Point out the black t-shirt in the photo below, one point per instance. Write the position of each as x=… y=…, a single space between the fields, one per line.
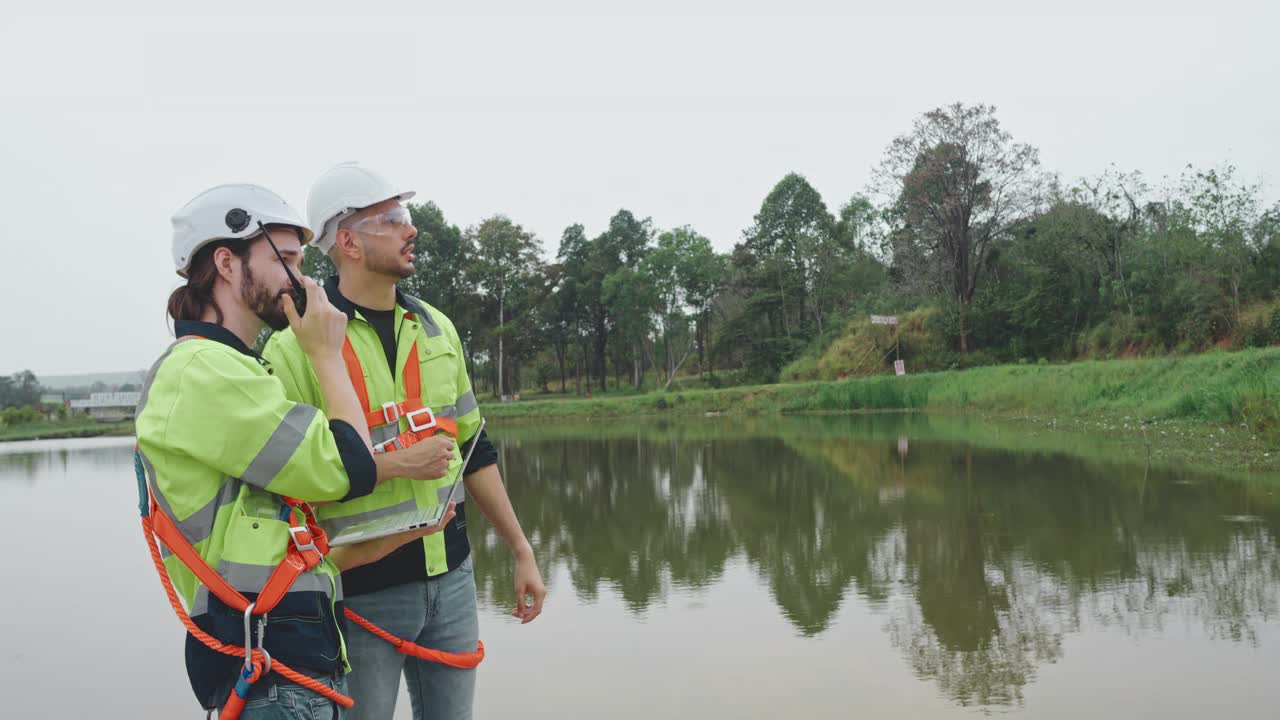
x=384 y=323
x=408 y=563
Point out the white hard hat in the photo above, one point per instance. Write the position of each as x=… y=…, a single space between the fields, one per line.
x=345 y=188
x=228 y=212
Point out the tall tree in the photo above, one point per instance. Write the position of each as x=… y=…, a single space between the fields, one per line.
x=631 y=298
x=849 y=273
x=704 y=275
x=581 y=294
x=619 y=251
x=774 y=272
x=683 y=273
x=443 y=254
x=1225 y=211
x=788 y=238
x=959 y=183
x=1109 y=219
x=506 y=260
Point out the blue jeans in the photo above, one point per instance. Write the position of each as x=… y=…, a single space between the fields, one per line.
x=274 y=698
x=438 y=613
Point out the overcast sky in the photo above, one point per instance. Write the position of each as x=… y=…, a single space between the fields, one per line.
x=556 y=113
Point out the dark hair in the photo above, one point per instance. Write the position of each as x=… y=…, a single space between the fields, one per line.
x=188 y=302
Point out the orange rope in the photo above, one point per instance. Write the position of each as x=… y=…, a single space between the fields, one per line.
x=464 y=661
x=218 y=646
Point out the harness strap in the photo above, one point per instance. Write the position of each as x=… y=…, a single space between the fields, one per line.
x=464 y=661
x=422 y=422
x=303 y=555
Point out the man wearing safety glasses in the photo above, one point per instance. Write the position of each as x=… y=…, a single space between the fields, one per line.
x=406 y=363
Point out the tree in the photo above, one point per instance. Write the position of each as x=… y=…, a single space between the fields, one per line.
x=316 y=264
x=1043 y=287
x=1224 y=212
x=443 y=256
x=789 y=235
x=704 y=274
x=683 y=273
x=774 y=272
x=849 y=273
x=558 y=313
x=1110 y=220
x=506 y=258
x=619 y=249
x=958 y=182
x=578 y=299
x=631 y=297
x=19 y=390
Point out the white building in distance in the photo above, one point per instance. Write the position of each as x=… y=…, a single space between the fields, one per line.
x=109 y=406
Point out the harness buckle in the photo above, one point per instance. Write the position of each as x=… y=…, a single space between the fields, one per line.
x=310 y=543
x=387 y=414
x=412 y=417
x=393 y=443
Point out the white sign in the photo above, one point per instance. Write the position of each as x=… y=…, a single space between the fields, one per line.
x=899 y=367
x=884 y=319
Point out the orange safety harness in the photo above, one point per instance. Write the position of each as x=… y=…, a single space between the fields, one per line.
x=308 y=547
x=411 y=408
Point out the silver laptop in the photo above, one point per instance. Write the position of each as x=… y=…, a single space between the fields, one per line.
x=408 y=520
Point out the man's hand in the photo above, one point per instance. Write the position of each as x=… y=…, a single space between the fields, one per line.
x=424 y=460
x=322 y=330
x=371 y=551
x=528 y=582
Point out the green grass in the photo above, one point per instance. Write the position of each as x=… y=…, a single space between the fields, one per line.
x=1220 y=387
x=67 y=429
x=1224 y=403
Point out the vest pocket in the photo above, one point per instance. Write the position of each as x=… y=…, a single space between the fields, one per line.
x=256 y=540
x=439 y=371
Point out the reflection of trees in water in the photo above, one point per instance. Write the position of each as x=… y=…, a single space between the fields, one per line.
x=982 y=649
x=807 y=531
x=27 y=466
x=997 y=570
x=632 y=514
x=982 y=559
x=1230 y=591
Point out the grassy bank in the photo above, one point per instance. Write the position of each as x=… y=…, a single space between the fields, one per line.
x=68 y=429
x=1214 y=388
x=1220 y=407
x=1224 y=404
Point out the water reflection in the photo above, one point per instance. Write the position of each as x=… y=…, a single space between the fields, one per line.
x=981 y=557
x=29 y=462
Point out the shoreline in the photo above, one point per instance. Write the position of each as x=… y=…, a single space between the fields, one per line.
x=1218 y=410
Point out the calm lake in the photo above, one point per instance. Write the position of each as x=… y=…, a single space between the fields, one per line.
x=893 y=566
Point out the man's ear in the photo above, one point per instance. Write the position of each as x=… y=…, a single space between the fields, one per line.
x=225 y=262
x=345 y=244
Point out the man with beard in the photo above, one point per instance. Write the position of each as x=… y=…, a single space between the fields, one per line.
x=406 y=363
x=224 y=457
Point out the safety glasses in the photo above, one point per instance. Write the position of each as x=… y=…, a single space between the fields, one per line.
x=391 y=222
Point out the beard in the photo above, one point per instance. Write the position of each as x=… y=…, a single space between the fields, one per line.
x=385 y=262
x=262 y=301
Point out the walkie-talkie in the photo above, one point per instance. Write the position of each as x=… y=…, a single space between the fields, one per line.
x=297 y=293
